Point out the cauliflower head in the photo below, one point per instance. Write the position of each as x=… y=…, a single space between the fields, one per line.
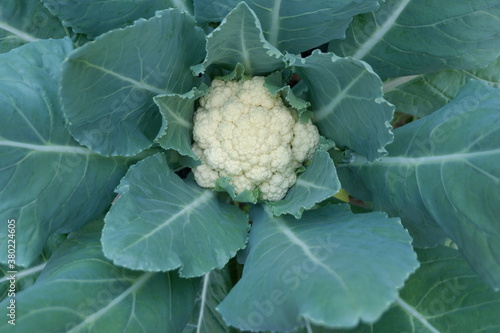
x=243 y=132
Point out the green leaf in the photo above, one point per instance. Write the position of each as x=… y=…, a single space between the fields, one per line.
x=420 y=95
x=317 y=183
x=443 y=169
x=48 y=183
x=347 y=103
x=23 y=21
x=236 y=74
x=205 y=319
x=405 y=37
x=96 y=17
x=276 y=85
x=177 y=111
x=239 y=39
x=331 y=267
x=81 y=291
x=108 y=85
x=444 y=296
x=160 y=223
x=289 y=25
x=222 y=185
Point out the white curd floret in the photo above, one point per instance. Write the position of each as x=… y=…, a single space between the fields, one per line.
x=243 y=132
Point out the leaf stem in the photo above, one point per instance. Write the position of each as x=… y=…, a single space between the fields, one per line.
x=21 y=34
x=408 y=308
x=26 y=272
x=360 y=160
x=381 y=32
x=394 y=83
x=308 y=326
x=47 y=148
x=204 y=291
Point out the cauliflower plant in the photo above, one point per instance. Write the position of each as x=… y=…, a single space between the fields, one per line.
x=243 y=132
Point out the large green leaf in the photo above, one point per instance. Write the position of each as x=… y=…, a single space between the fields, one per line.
x=23 y=21
x=443 y=296
x=331 y=267
x=444 y=169
x=425 y=232
x=420 y=95
x=108 y=85
x=405 y=37
x=290 y=25
x=239 y=39
x=96 y=17
x=317 y=183
x=346 y=99
x=161 y=222
x=48 y=182
x=215 y=287
x=81 y=291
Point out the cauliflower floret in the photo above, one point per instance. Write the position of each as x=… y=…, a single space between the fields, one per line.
x=304 y=133
x=205 y=176
x=243 y=132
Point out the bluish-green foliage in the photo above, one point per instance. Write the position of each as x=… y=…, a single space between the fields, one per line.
x=103 y=228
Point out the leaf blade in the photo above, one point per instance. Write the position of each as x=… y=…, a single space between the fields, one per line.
x=420 y=95
x=100 y=296
x=421 y=172
x=304 y=269
x=239 y=39
x=24 y=21
x=177 y=112
x=68 y=184
x=292 y=26
x=350 y=110
x=444 y=295
x=109 y=103
x=316 y=184
x=155 y=208
x=394 y=39
x=96 y=18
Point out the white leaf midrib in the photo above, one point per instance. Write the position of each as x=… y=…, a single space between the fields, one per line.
x=204 y=293
x=437 y=158
x=397 y=83
x=21 y=34
x=275 y=23
x=308 y=184
x=202 y=199
x=26 y=272
x=417 y=315
x=327 y=109
x=306 y=250
x=179 y=4
x=176 y=116
x=137 y=84
x=46 y=148
x=380 y=33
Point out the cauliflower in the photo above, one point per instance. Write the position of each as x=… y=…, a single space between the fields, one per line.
x=243 y=132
